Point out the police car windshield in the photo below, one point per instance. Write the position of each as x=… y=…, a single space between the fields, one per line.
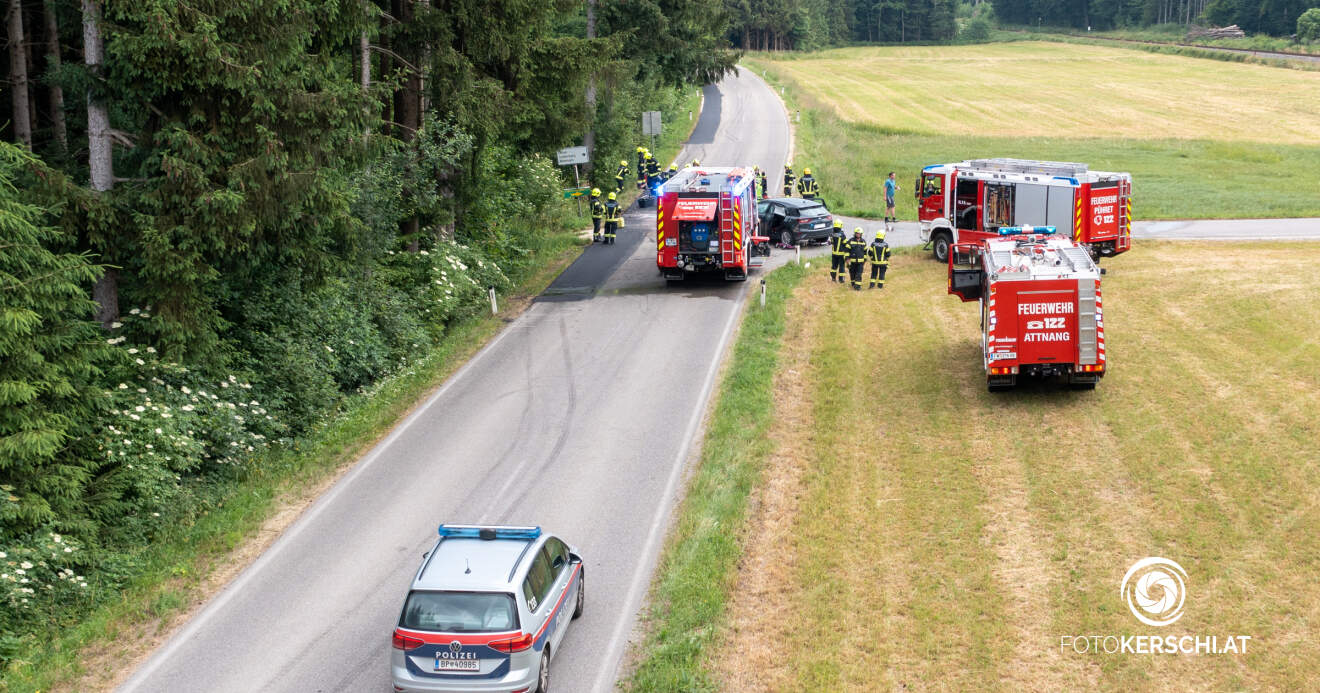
x=460 y=612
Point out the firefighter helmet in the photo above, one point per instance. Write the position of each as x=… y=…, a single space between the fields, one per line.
x=838 y=223
x=612 y=196
x=806 y=171
x=857 y=231
x=648 y=155
x=696 y=162
x=640 y=148
x=880 y=235
x=673 y=167
x=595 y=192
x=623 y=162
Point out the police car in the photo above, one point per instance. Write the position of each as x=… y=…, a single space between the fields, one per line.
x=487 y=611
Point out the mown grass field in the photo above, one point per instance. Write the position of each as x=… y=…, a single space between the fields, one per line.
x=912 y=531
x=1202 y=138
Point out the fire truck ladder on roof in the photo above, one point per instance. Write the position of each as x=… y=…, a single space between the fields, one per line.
x=1049 y=168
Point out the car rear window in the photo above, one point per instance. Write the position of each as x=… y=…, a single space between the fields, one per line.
x=460 y=612
x=813 y=211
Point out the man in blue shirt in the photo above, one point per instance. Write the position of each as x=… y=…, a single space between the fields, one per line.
x=891 y=188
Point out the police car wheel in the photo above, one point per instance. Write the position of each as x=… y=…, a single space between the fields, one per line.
x=582 y=591
x=543 y=677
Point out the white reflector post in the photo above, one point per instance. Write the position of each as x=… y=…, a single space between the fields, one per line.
x=494 y=307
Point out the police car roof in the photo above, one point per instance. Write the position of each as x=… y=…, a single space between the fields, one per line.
x=472 y=563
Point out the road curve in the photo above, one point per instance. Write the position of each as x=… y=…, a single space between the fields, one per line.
x=579 y=416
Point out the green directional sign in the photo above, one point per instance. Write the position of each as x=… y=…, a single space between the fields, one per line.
x=571 y=193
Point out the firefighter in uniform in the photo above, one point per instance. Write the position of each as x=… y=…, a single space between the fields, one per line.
x=788 y=180
x=878 y=255
x=807 y=187
x=597 y=213
x=642 y=154
x=618 y=177
x=760 y=178
x=673 y=168
x=838 y=249
x=856 y=258
x=652 y=171
x=613 y=218
x=694 y=163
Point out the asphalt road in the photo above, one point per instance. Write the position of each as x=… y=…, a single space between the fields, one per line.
x=580 y=417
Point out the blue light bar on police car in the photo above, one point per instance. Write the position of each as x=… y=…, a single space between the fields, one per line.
x=489 y=532
x=1014 y=230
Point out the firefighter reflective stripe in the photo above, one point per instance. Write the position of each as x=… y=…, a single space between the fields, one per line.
x=1077 y=219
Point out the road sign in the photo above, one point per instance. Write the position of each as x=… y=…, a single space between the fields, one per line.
x=569 y=156
x=651 y=123
x=571 y=193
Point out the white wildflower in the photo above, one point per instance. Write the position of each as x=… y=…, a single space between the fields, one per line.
x=185 y=390
x=135 y=311
x=140 y=362
x=132 y=351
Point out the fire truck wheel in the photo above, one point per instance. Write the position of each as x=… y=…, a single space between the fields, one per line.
x=941 y=244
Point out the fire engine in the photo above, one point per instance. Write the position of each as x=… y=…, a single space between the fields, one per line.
x=706 y=222
x=1041 y=312
x=971 y=200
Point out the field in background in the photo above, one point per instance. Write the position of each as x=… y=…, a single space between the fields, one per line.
x=921 y=533
x=1202 y=138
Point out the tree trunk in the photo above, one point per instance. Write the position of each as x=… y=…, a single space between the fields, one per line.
x=407 y=110
x=53 y=63
x=364 y=47
x=18 y=78
x=589 y=139
x=99 y=162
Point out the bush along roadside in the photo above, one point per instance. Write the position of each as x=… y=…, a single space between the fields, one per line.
x=690 y=590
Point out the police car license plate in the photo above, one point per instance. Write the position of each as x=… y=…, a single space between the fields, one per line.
x=457 y=664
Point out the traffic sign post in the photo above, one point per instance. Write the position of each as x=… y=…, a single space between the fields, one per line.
x=573 y=156
x=651 y=125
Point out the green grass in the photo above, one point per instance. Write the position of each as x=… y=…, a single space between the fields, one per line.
x=858 y=124
x=1176 y=34
x=945 y=537
x=691 y=585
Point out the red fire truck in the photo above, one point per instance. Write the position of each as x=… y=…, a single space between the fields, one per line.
x=706 y=222
x=1041 y=313
x=971 y=200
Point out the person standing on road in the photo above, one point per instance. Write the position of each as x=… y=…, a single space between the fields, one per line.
x=622 y=174
x=613 y=218
x=642 y=155
x=788 y=180
x=878 y=255
x=891 y=189
x=597 y=214
x=838 y=250
x=807 y=187
x=652 y=171
x=760 y=178
x=856 y=258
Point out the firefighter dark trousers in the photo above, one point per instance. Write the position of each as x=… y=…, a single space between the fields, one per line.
x=595 y=228
x=878 y=274
x=610 y=227
x=836 y=266
x=855 y=269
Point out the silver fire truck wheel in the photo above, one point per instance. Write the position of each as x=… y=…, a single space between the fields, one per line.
x=941 y=242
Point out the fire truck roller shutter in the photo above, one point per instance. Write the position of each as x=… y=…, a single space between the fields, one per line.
x=1029 y=205
x=1059 y=213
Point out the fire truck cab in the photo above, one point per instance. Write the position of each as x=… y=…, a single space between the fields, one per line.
x=971 y=200
x=706 y=222
x=1041 y=313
